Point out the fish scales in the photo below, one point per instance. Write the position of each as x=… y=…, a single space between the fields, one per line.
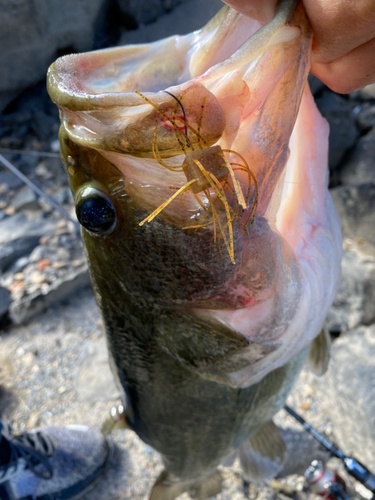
x=213 y=245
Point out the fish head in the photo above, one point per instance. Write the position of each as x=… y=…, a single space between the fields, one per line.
x=199 y=173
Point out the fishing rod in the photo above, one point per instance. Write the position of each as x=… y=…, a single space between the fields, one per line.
x=316 y=472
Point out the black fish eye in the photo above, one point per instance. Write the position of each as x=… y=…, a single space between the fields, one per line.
x=96 y=212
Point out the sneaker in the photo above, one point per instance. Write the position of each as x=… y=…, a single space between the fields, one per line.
x=53 y=463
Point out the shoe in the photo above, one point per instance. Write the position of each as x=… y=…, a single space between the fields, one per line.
x=53 y=463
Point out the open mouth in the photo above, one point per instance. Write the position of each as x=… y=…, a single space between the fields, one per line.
x=208 y=149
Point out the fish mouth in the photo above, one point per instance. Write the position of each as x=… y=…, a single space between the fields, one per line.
x=133 y=131
x=195 y=135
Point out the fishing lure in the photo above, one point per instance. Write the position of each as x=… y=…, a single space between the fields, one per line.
x=207 y=171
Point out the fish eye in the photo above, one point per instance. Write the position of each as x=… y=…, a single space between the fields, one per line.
x=96 y=212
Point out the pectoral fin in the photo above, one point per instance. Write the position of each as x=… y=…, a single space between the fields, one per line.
x=318 y=358
x=262 y=456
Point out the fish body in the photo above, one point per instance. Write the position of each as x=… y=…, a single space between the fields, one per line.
x=211 y=296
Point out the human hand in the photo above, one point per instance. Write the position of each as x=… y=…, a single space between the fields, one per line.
x=343 y=55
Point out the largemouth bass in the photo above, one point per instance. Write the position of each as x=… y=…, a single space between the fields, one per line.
x=198 y=166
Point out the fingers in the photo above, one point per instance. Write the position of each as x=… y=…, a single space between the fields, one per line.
x=339 y=26
x=350 y=72
x=261 y=10
x=343 y=54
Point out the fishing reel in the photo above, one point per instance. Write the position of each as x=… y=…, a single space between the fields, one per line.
x=324 y=482
x=321 y=480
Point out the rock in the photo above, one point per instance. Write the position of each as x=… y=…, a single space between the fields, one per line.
x=36 y=278
x=4 y=301
x=366 y=117
x=95 y=380
x=183 y=19
x=368 y=92
x=355 y=206
x=25 y=198
x=347 y=391
x=39 y=252
x=10 y=180
x=316 y=85
x=359 y=167
x=343 y=131
x=32 y=33
x=146 y=11
x=64 y=287
x=19 y=265
x=355 y=300
x=43 y=264
x=55 y=146
x=18 y=236
x=6 y=98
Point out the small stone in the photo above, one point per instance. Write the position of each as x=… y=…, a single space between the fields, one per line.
x=41 y=252
x=282 y=487
x=58 y=264
x=61 y=390
x=62 y=224
x=44 y=240
x=63 y=254
x=32 y=288
x=33 y=421
x=24 y=199
x=309 y=390
x=305 y=406
x=28 y=359
x=43 y=264
x=77 y=262
x=16 y=286
x=35 y=369
x=36 y=277
x=10 y=210
x=38 y=300
x=19 y=236
x=368 y=92
x=55 y=146
x=20 y=264
x=19 y=276
x=41 y=169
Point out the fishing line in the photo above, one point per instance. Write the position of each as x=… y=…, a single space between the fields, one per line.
x=37 y=190
x=183 y=111
x=30 y=152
